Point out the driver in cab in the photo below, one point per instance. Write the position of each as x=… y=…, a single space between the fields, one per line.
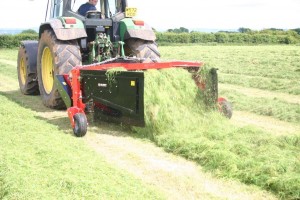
x=88 y=6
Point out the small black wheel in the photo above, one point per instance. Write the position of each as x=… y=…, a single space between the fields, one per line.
x=80 y=128
x=225 y=108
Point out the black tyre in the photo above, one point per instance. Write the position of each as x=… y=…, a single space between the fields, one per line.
x=26 y=68
x=54 y=57
x=80 y=128
x=146 y=50
x=225 y=108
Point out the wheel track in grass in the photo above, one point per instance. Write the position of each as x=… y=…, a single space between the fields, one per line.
x=175 y=176
x=268 y=124
x=8 y=62
x=280 y=85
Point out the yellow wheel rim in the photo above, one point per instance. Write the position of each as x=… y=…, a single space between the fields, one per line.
x=23 y=71
x=47 y=70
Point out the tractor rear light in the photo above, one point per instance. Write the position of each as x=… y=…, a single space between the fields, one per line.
x=70 y=21
x=139 y=22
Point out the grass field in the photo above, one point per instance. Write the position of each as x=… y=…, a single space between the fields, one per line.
x=262 y=81
x=259 y=146
x=38 y=160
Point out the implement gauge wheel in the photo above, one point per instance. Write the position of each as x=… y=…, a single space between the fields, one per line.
x=225 y=108
x=80 y=128
x=55 y=57
x=146 y=50
x=26 y=75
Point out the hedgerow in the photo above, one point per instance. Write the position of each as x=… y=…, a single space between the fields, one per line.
x=263 y=37
x=11 y=41
x=252 y=37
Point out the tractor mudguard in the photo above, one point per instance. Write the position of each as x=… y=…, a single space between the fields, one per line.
x=65 y=28
x=128 y=29
x=31 y=47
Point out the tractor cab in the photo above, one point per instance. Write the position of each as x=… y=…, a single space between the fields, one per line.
x=108 y=8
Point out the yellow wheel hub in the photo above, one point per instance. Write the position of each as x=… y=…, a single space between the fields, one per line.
x=23 y=71
x=47 y=70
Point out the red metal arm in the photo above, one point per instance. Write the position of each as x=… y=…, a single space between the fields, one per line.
x=78 y=105
x=143 y=66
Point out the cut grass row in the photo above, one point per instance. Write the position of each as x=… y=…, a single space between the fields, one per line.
x=177 y=122
x=266 y=61
x=39 y=162
x=289 y=86
x=59 y=119
x=266 y=67
x=246 y=153
x=289 y=112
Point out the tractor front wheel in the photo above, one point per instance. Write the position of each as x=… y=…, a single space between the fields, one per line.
x=26 y=68
x=55 y=57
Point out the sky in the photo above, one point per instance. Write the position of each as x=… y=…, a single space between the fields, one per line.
x=170 y=14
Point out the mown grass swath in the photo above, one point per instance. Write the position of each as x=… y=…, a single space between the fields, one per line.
x=38 y=161
x=177 y=120
x=276 y=108
x=247 y=153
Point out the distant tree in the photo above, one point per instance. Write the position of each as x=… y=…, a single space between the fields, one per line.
x=244 y=30
x=296 y=30
x=184 y=30
x=179 y=30
x=274 y=29
x=29 y=31
x=221 y=31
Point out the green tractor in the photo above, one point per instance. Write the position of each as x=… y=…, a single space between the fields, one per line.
x=68 y=39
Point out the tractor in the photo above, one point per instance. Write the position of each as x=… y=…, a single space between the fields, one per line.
x=95 y=63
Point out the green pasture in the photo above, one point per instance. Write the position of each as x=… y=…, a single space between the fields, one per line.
x=177 y=120
x=38 y=160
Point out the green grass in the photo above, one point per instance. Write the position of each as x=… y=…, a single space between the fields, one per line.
x=289 y=86
x=9 y=54
x=276 y=108
x=7 y=71
x=266 y=67
x=39 y=162
x=178 y=122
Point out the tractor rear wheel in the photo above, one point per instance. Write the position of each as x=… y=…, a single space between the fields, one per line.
x=146 y=50
x=55 y=57
x=26 y=75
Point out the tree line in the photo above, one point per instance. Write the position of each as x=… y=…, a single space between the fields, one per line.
x=242 y=36
x=184 y=36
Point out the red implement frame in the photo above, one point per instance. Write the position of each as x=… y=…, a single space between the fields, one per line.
x=79 y=106
x=144 y=66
